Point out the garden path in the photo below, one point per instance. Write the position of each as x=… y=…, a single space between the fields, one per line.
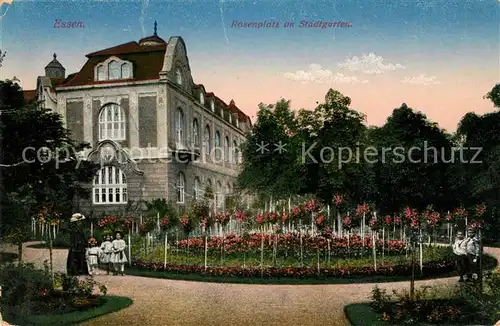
x=172 y=302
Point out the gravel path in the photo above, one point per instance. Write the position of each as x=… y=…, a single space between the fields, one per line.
x=170 y=302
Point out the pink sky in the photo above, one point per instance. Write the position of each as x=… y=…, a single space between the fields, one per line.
x=445 y=103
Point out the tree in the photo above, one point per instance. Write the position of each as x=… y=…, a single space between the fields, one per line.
x=476 y=179
x=411 y=177
x=494 y=95
x=333 y=132
x=268 y=168
x=38 y=154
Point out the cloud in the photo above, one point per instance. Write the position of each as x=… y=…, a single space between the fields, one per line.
x=369 y=64
x=421 y=79
x=316 y=74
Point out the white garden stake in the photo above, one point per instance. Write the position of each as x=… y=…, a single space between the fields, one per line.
x=165 y=254
x=129 y=251
x=421 y=254
x=374 y=251
x=206 y=251
x=363 y=225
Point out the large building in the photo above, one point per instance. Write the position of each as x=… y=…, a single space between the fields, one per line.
x=156 y=133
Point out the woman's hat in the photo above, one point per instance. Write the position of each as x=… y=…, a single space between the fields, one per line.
x=77 y=217
x=92 y=241
x=118 y=231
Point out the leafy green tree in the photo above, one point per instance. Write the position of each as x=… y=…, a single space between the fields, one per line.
x=268 y=168
x=412 y=166
x=37 y=153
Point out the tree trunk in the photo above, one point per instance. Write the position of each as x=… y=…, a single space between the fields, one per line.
x=374 y=252
x=412 y=281
x=20 y=253
x=51 y=259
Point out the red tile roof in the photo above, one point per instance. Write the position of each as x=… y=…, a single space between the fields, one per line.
x=147 y=61
x=29 y=95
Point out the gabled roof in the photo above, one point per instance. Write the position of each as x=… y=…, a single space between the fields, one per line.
x=29 y=95
x=128 y=48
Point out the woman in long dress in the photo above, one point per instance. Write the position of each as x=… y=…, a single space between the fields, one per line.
x=118 y=257
x=76 y=263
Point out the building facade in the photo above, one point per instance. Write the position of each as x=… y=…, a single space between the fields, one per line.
x=154 y=131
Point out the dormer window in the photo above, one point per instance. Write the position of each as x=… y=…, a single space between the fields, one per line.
x=113 y=69
x=230 y=118
x=202 y=98
x=126 y=73
x=222 y=112
x=101 y=74
x=178 y=76
x=212 y=105
x=237 y=123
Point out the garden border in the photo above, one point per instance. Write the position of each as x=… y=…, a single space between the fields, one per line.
x=201 y=277
x=362 y=314
x=113 y=304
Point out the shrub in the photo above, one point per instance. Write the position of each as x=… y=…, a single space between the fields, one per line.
x=428 y=306
x=486 y=304
x=28 y=291
x=22 y=284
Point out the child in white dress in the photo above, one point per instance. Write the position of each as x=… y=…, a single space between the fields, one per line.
x=107 y=249
x=118 y=257
x=93 y=254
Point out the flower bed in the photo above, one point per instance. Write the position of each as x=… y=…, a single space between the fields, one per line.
x=290 y=244
x=429 y=268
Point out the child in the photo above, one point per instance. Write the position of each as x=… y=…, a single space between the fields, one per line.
x=92 y=255
x=107 y=249
x=118 y=257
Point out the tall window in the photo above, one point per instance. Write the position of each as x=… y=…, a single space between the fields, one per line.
x=235 y=152
x=181 y=187
x=217 y=145
x=196 y=132
x=101 y=75
x=207 y=140
x=112 y=122
x=226 y=149
x=114 y=70
x=197 y=189
x=178 y=76
x=126 y=73
x=202 y=98
x=212 y=105
x=219 y=195
x=110 y=186
x=179 y=127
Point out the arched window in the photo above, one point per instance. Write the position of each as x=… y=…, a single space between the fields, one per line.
x=212 y=105
x=226 y=149
x=114 y=70
x=181 y=187
x=110 y=186
x=197 y=191
x=196 y=132
x=235 y=152
x=178 y=76
x=202 y=98
x=228 y=190
x=111 y=122
x=179 y=127
x=217 y=145
x=126 y=71
x=207 y=140
x=219 y=194
x=101 y=75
